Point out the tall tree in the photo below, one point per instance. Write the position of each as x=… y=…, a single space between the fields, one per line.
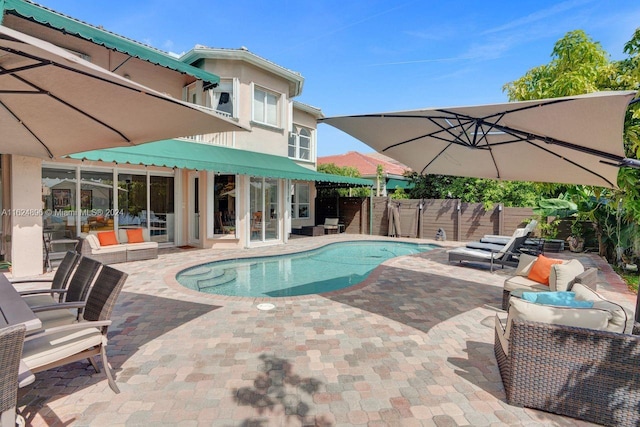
x=580 y=65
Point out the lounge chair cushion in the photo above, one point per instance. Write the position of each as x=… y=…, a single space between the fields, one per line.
x=562 y=275
x=541 y=269
x=52 y=348
x=621 y=320
x=591 y=318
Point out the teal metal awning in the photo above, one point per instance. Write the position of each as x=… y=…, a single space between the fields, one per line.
x=392 y=183
x=175 y=153
x=101 y=37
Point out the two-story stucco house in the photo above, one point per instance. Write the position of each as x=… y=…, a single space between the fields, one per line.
x=238 y=189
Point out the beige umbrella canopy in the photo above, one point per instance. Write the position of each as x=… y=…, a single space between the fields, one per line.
x=572 y=140
x=53 y=103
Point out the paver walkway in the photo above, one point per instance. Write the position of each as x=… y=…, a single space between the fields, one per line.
x=413 y=345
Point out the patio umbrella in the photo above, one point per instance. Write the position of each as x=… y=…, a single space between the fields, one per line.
x=572 y=140
x=53 y=103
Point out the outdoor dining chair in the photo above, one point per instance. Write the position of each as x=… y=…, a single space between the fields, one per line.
x=58 y=346
x=77 y=291
x=59 y=281
x=11 y=339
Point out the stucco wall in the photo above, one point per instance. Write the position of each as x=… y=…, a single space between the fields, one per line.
x=26 y=220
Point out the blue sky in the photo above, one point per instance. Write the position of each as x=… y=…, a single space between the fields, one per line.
x=374 y=56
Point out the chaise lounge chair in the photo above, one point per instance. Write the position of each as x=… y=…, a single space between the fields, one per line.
x=505 y=255
x=501 y=240
x=494 y=242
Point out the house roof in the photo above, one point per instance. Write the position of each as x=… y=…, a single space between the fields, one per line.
x=99 y=36
x=314 y=111
x=367 y=164
x=199 y=52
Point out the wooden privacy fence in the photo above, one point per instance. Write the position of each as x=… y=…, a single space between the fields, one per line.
x=423 y=218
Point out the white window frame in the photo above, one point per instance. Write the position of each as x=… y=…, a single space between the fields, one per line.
x=234 y=83
x=295 y=137
x=278 y=107
x=296 y=203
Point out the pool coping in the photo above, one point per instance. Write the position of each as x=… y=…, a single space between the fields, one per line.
x=171 y=281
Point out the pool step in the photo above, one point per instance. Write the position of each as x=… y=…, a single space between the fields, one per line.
x=217 y=278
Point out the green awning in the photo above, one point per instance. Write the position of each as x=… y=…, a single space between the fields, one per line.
x=105 y=38
x=392 y=183
x=175 y=153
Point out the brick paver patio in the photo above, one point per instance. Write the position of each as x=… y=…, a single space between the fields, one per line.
x=413 y=345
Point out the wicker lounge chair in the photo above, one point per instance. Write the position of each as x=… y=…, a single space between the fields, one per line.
x=83 y=340
x=562 y=277
x=331 y=225
x=582 y=373
x=11 y=339
x=505 y=255
x=581 y=362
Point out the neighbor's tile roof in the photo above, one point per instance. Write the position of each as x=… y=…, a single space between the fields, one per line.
x=365 y=163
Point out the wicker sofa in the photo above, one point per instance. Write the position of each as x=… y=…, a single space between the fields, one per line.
x=561 y=278
x=558 y=366
x=122 y=252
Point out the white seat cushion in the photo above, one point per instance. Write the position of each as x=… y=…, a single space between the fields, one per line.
x=477 y=253
x=108 y=249
x=591 y=318
x=521 y=282
x=143 y=245
x=38 y=300
x=48 y=349
x=53 y=318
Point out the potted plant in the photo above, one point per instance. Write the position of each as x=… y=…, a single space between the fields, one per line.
x=576 y=239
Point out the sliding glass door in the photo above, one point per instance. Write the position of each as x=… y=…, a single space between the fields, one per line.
x=264 y=209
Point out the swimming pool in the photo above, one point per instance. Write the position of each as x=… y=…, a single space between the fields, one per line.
x=329 y=268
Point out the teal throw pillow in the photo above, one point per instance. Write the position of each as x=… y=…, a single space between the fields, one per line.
x=563 y=299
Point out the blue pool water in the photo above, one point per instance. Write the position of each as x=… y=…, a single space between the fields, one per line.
x=332 y=267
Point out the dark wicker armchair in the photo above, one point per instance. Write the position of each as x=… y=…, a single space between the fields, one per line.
x=581 y=373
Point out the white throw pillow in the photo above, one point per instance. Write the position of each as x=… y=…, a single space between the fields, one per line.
x=525 y=262
x=562 y=275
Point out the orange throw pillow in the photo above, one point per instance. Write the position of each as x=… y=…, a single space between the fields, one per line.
x=542 y=268
x=135 y=235
x=107 y=238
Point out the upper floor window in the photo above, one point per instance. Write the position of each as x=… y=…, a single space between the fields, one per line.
x=222 y=98
x=265 y=107
x=300 y=143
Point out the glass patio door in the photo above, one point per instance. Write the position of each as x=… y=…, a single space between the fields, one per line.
x=265 y=209
x=194 y=209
